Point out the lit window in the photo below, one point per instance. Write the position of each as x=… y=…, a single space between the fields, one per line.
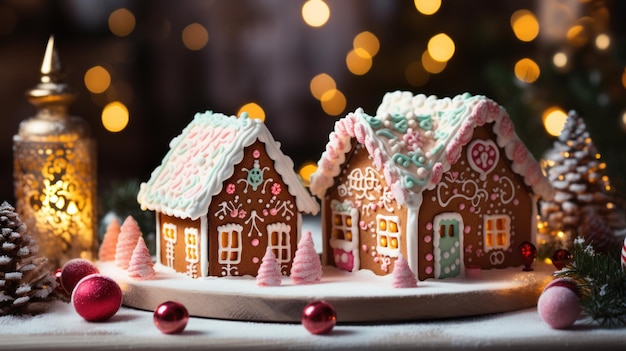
x=388 y=235
x=497 y=232
x=191 y=251
x=279 y=241
x=169 y=235
x=230 y=247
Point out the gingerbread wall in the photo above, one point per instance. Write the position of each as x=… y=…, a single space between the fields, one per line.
x=253 y=211
x=363 y=196
x=180 y=244
x=477 y=189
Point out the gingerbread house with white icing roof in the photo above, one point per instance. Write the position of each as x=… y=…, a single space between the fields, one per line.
x=223 y=194
x=446 y=183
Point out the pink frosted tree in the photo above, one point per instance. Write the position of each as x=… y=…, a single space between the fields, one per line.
x=269 y=272
x=109 y=241
x=402 y=275
x=140 y=266
x=306 y=267
x=127 y=241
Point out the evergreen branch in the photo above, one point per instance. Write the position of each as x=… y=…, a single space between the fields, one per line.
x=601 y=284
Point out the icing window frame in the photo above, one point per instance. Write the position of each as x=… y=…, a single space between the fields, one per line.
x=279 y=241
x=496 y=232
x=344 y=225
x=388 y=235
x=170 y=235
x=191 y=245
x=230 y=245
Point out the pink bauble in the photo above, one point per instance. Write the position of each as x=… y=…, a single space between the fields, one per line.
x=319 y=317
x=74 y=270
x=171 y=317
x=97 y=298
x=558 y=304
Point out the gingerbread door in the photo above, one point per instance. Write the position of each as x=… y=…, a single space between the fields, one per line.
x=448 y=244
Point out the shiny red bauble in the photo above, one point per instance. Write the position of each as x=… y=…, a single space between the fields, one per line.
x=528 y=252
x=319 y=317
x=97 y=298
x=560 y=258
x=171 y=317
x=74 y=270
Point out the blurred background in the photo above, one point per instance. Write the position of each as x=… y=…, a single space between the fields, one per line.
x=142 y=69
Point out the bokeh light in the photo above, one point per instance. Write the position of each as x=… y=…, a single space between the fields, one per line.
x=603 y=42
x=560 y=59
x=553 y=120
x=431 y=65
x=315 y=13
x=366 y=41
x=115 y=117
x=524 y=25
x=305 y=172
x=195 y=37
x=121 y=22
x=415 y=74
x=441 y=47
x=333 y=102
x=320 y=84
x=577 y=35
x=427 y=7
x=527 y=70
x=97 y=79
x=358 y=61
x=624 y=78
x=253 y=109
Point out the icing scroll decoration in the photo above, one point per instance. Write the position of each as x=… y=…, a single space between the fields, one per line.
x=470 y=190
x=483 y=155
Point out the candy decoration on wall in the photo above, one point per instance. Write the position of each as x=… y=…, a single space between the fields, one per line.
x=319 y=317
x=109 y=241
x=171 y=317
x=307 y=267
x=483 y=156
x=560 y=258
x=97 y=298
x=558 y=304
x=528 y=252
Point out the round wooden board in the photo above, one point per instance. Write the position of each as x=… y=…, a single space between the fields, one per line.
x=359 y=297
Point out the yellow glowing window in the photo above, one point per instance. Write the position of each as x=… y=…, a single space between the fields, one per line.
x=497 y=232
x=344 y=225
x=280 y=241
x=229 y=251
x=388 y=235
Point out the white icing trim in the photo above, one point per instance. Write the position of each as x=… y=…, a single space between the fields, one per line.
x=387 y=251
x=158 y=238
x=282 y=230
x=412 y=240
x=229 y=228
x=204 y=246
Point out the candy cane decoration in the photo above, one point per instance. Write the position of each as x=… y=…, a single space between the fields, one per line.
x=624 y=255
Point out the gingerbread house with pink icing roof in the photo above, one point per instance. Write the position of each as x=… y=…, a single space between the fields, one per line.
x=446 y=183
x=223 y=194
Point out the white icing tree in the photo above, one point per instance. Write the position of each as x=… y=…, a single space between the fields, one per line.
x=582 y=186
x=24 y=276
x=109 y=241
x=269 y=272
x=127 y=241
x=306 y=267
x=141 y=266
x=403 y=276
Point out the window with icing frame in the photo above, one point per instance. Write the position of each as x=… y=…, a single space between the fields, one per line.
x=230 y=244
x=191 y=245
x=497 y=232
x=169 y=234
x=344 y=225
x=280 y=241
x=388 y=235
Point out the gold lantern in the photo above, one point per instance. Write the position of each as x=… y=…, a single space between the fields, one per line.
x=55 y=170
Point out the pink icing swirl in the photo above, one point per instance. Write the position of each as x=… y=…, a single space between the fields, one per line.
x=269 y=272
x=306 y=267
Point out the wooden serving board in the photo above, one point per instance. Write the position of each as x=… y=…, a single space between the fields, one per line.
x=359 y=297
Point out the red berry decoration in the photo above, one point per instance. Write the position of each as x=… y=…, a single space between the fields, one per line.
x=97 y=298
x=74 y=270
x=171 y=317
x=319 y=317
x=558 y=304
x=528 y=251
x=560 y=258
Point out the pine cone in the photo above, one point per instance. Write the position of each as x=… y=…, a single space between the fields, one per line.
x=24 y=277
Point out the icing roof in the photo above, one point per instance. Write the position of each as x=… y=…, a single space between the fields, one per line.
x=415 y=139
x=203 y=156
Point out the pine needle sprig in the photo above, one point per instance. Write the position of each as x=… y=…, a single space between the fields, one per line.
x=601 y=284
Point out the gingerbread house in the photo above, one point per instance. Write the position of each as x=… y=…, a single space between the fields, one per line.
x=447 y=183
x=223 y=193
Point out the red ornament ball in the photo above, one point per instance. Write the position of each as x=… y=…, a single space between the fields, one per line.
x=97 y=298
x=560 y=258
x=319 y=317
x=74 y=270
x=558 y=304
x=528 y=252
x=171 y=317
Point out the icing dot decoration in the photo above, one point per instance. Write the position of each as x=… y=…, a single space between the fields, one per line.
x=428 y=238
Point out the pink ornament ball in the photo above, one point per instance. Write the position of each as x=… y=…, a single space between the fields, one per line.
x=319 y=317
x=171 y=317
x=74 y=270
x=97 y=298
x=558 y=304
